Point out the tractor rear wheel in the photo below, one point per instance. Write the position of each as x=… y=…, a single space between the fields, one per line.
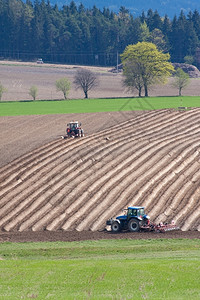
x=115 y=226
x=133 y=225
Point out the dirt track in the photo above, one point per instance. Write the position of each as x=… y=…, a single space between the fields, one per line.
x=45 y=236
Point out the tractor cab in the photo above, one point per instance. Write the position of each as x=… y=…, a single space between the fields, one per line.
x=133 y=212
x=73 y=125
x=137 y=212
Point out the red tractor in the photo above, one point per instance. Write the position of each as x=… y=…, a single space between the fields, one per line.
x=74 y=130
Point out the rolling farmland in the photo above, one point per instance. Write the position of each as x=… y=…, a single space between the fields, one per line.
x=76 y=184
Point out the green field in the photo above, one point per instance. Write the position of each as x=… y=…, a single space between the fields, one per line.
x=95 y=105
x=112 y=269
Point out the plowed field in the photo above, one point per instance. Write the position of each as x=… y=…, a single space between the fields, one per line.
x=152 y=159
x=17 y=78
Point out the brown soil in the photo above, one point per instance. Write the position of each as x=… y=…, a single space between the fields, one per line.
x=77 y=184
x=22 y=134
x=17 y=78
x=69 y=236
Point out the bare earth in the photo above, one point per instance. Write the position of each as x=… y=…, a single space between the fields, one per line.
x=69 y=236
x=21 y=134
x=17 y=78
x=31 y=149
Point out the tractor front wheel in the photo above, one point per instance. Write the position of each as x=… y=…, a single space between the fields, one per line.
x=133 y=225
x=115 y=226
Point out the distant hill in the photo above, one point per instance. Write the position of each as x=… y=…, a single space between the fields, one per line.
x=169 y=7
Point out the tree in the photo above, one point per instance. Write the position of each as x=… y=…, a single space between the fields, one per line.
x=33 y=92
x=157 y=21
x=123 y=12
x=85 y=80
x=132 y=79
x=157 y=38
x=153 y=66
x=196 y=22
x=144 y=32
x=2 y=90
x=181 y=80
x=189 y=59
x=63 y=85
x=149 y=19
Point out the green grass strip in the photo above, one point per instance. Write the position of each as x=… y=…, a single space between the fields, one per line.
x=15 y=108
x=106 y=269
x=95 y=249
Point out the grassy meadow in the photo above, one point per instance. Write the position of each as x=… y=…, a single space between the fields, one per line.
x=105 y=269
x=15 y=108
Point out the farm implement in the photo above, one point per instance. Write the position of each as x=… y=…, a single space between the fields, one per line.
x=135 y=219
x=73 y=130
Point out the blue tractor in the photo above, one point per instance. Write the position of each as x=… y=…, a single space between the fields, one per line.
x=134 y=219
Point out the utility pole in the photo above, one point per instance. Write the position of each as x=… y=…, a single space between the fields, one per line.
x=117 y=52
x=117 y=61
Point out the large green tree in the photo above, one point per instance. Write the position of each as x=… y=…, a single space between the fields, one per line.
x=153 y=66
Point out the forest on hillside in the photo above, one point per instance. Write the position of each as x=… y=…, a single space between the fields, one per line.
x=78 y=35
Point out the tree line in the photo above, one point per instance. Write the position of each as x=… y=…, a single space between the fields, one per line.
x=78 y=35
